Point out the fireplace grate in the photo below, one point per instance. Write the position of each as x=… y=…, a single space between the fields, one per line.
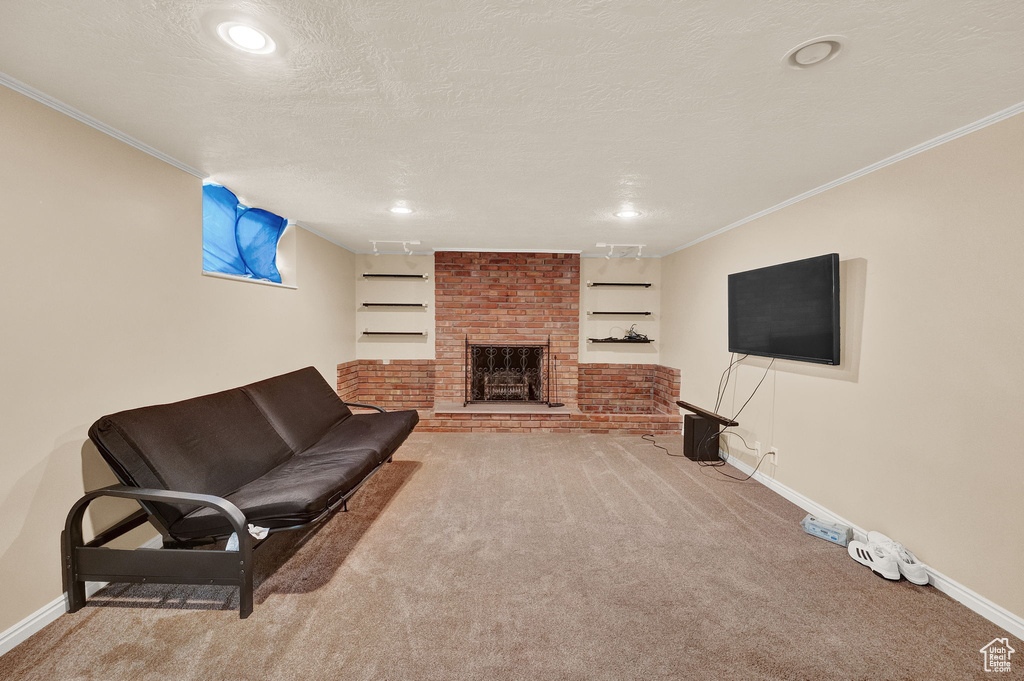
x=507 y=372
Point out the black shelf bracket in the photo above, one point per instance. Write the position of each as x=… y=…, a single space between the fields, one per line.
x=369 y=275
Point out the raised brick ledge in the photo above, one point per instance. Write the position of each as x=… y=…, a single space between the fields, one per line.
x=625 y=424
x=408 y=384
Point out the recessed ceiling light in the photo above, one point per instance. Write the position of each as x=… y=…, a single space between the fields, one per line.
x=627 y=213
x=401 y=210
x=814 y=52
x=246 y=38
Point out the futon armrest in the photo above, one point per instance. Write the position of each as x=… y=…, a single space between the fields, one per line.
x=366 y=406
x=82 y=563
x=224 y=507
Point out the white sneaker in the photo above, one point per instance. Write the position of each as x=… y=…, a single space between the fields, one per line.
x=877 y=557
x=914 y=570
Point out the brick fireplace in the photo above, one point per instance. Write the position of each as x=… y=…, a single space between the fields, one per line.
x=515 y=300
x=499 y=298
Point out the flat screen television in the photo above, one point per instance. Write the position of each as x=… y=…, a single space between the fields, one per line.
x=789 y=311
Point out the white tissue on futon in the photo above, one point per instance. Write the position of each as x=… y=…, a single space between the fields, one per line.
x=256 y=531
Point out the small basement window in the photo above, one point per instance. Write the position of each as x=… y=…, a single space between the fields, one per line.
x=245 y=243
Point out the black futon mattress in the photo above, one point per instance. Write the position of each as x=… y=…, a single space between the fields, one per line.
x=282 y=450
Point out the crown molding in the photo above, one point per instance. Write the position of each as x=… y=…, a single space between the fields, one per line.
x=617 y=257
x=896 y=158
x=337 y=243
x=394 y=252
x=323 y=236
x=567 y=251
x=57 y=105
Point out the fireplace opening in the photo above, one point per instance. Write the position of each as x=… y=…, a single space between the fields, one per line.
x=507 y=372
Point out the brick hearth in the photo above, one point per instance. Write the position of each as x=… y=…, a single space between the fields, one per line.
x=648 y=406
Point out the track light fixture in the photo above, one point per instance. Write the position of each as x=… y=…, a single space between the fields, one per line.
x=624 y=247
x=405 y=245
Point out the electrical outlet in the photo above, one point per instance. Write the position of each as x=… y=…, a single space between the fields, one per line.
x=774 y=451
x=757 y=449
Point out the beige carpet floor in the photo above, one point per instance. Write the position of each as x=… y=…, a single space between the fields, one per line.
x=489 y=556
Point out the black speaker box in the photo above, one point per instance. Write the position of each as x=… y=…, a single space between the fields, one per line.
x=699 y=432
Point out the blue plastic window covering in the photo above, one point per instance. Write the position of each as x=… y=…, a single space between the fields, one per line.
x=237 y=239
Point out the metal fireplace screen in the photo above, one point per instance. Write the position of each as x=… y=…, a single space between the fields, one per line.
x=507 y=373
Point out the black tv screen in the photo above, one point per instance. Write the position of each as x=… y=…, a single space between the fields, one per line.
x=790 y=311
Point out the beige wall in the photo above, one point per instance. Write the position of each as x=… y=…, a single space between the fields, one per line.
x=104 y=308
x=620 y=299
x=918 y=432
x=394 y=319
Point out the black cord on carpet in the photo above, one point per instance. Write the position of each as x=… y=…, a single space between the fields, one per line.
x=652 y=441
x=722 y=387
x=705 y=464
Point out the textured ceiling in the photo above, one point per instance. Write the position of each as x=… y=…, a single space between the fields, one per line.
x=522 y=124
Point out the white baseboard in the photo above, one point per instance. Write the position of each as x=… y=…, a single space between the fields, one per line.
x=994 y=613
x=52 y=610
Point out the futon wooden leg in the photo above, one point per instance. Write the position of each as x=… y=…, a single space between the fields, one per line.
x=76 y=597
x=245 y=596
x=74 y=588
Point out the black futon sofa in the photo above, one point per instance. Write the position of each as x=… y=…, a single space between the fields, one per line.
x=280 y=454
